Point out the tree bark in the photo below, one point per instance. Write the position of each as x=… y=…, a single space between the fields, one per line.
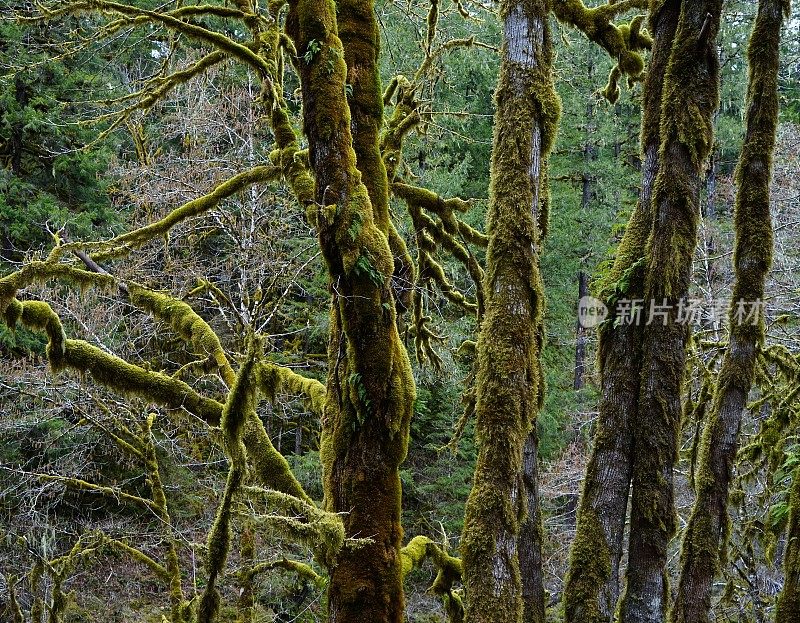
x=705 y=534
x=789 y=598
x=690 y=96
x=502 y=528
x=370 y=388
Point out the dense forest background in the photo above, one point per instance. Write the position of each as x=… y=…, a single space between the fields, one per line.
x=87 y=153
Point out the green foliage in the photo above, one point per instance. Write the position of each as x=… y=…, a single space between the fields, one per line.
x=47 y=180
x=436 y=479
x=312 y=50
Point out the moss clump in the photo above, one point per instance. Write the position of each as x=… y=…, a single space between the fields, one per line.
x=591 y=556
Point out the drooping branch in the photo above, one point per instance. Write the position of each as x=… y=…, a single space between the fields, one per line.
x=623 y=43
x=225 y=44
x=448 y=572
x=124 y=243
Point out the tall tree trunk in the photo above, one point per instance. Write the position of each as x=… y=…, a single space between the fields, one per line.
x=690 y=96
x=705 y=533
x=592 y=585
x=509 y=378
x=370 y=388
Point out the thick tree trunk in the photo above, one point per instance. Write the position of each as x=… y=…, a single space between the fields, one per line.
x=592 y=586
x=690 y=97
x=705 y=533
x=370 y=388
x=509 y=378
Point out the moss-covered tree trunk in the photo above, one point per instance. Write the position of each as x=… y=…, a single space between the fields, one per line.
x=370 y=389
x=358 y=30
x=789 y=598
x=690 y=96
x=509 y=379
x=592 y=586
x=705 y=534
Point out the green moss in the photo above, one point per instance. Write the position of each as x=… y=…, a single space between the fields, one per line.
x=689 y=98
x=509 y=384
x=789 y=598
x=186 y=323
x=591 y=556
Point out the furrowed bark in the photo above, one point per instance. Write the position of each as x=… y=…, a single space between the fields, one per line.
x=704 y=541
x=592 y=586
x=690 y=96
x=370 y=389
x=509 y=379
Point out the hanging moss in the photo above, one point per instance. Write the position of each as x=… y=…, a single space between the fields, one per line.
x=302 y=522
